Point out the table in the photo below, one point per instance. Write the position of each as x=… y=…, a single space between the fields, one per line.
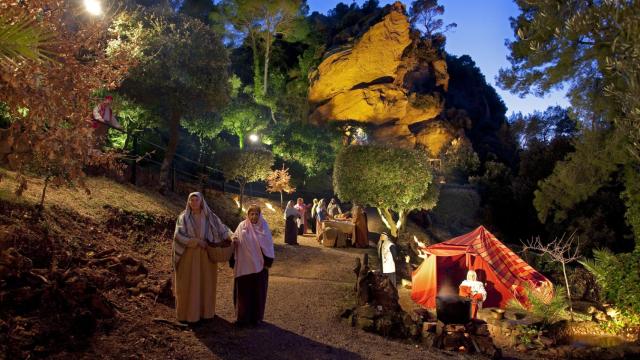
x=346 y=227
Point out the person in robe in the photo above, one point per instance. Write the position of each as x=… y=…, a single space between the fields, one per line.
x=291 y=215
x=321 y=215
x=102 y=119
x=362 y=232
x=302 y=220
x=333 y=209
x=388 y=254
x=253 y=256
x=195 y=277
x=314 y=208
x=474 y=290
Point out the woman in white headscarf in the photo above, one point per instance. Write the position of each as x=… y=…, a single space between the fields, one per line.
x=195 y=276
x=252 y=257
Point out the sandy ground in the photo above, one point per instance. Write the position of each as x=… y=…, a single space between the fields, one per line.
x=309 y=286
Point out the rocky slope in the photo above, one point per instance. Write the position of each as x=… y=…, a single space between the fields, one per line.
x=390 y=80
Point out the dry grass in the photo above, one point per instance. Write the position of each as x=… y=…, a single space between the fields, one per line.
x=103 y=192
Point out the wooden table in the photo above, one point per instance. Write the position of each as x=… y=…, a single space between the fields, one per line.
x=344 y=226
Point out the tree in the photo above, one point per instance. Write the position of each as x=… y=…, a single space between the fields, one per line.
x=311 y=146
x=50 y=66
x=183 y=75
x=594 y=48
x=242 y=118
x=262 y=22
x=280 y=181
x=390 y=179
x=426 y=13
x=245 y=166
x=561 y=251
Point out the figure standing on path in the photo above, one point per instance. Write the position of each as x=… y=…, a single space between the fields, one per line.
x=195 y=276
x=321 y=215
x=333 y=209
x=291 y=215
x=314 y=209
x=359 y=219
x=302 y=220
x=253 y=256
x=388 y=253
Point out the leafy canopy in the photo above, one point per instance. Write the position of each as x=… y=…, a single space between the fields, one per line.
x=384 y=177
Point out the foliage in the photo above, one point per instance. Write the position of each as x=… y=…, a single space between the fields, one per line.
x=548 y=311
x=49 y=101
x=311 y=146
x=598 y=154
x=618 y=275
x=261 y=22
x=623 y=320
x=390 y=179
x=179 y=78
x=243 y=118
x=459 y=160
x=426 y=13
x=280 y=181
x=474 y=105
x=594 y=48
x=21 y=38
x=245 y=166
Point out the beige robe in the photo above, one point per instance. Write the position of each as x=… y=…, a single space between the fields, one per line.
x=195 y=281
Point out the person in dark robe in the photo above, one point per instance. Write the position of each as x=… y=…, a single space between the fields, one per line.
x=291 y=216
x=252 y=258
x=362 y=232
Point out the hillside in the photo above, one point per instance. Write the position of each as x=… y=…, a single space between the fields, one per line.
x=90 y=278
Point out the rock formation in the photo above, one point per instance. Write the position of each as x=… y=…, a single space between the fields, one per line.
x=391 y=79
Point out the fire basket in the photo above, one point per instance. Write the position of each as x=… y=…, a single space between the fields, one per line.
x=453 y=309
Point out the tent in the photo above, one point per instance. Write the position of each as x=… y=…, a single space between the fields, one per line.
x=504 y=273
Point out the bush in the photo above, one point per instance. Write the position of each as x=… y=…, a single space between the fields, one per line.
x=548 y=311
x=618 y=275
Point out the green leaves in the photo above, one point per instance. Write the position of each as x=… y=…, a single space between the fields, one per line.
x=245 y=166
x=386 y=177
x=23 y=39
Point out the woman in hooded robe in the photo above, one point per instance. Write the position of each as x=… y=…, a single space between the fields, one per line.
x=291 y=215
x=253 y=256
x=302 y=221
x=195 y=277
x=359 y=220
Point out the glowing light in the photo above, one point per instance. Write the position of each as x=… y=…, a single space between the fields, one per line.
x=237 y=202
x=254 y=138
x=243 y=209
x=270 y=207
x=93 y=7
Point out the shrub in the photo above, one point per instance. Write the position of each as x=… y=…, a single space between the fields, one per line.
x=618 y=275
x=548 y=311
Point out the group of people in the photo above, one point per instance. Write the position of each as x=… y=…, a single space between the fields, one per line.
x=195 y=275
x=301 y=218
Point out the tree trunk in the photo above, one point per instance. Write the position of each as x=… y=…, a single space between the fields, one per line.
x=566 y=282
x=402 y=221
x=266 y=63
x=281 y=199
x=44 y=193
x=174 y=127
x=256 y=66
x=387 y=220
x=242 y=185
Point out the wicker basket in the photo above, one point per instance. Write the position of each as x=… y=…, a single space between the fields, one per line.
x=219 y=253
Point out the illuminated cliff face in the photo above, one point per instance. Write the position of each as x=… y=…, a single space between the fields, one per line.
x=383 y=81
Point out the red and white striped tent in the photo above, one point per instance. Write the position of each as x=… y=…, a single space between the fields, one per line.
x=504 y=273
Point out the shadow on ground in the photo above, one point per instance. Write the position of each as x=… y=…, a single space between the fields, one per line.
x=266 y=341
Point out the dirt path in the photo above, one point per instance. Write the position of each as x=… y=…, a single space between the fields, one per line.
x=309 y=286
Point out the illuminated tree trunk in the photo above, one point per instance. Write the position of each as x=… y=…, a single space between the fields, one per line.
x=395 y=227
x=174 y=131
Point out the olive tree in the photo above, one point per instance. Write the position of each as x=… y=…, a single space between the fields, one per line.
x=393 y=180
x=245 y=166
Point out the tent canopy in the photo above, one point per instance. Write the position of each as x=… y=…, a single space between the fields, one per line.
x=504 y=273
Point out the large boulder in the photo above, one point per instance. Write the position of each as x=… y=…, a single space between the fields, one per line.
x=391 y=80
